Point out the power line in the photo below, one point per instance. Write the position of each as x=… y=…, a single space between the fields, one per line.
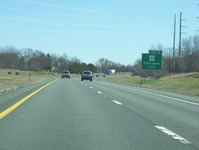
x=174 y=36
x=180 y=33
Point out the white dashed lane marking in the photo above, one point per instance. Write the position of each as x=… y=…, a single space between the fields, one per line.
x=99 y=92
x=161 y=128
x=117 y=102
x=173 y=135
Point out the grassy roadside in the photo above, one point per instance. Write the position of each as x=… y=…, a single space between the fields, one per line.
x=185 y=83
x=12 y=82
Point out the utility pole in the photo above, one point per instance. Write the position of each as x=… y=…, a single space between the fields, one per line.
x=180 y=33
x=174 y=39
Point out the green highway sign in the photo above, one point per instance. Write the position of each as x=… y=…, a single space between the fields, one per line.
x=155 y=52
x=151 y=61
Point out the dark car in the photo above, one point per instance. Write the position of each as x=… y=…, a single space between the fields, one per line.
x=87 y=75
x=66 y=74
x=17 y=73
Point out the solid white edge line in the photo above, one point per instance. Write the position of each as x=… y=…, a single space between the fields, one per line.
x=173 y=135
x=117 y=102
x=168 y=97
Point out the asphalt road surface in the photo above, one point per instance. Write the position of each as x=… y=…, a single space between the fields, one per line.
x=69 y=114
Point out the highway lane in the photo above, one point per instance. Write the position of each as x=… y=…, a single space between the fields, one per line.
x=70 y=114
x=177 y=112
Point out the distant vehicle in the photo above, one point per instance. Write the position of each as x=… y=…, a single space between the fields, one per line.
x=17 y=73
x=87 y=75
x=108 y=72
x=66 y=74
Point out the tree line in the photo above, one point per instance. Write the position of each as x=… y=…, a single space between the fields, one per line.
x=36 y=60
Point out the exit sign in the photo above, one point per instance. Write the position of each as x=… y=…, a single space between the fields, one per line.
x=152 y=61
x=155 y=52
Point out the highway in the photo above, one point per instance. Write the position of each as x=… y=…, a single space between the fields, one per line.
x=69 y=114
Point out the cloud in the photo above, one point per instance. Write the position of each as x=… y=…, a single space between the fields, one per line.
x=76 y=31
x=39 y=21
x=59 y=6
x=59 y=14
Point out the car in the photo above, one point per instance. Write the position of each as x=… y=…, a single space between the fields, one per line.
x=66 y=74
x=87 y=75
x=17 y=73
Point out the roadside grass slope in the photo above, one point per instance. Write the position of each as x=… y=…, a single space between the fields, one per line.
x=12 y=82
x=182 y=83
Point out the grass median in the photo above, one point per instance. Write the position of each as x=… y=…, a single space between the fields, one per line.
x=11 y=82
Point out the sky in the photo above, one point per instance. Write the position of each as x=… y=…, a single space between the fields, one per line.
x=118 y=30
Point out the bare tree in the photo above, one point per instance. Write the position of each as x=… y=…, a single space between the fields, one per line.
x=9 y=57
x=63 y=63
